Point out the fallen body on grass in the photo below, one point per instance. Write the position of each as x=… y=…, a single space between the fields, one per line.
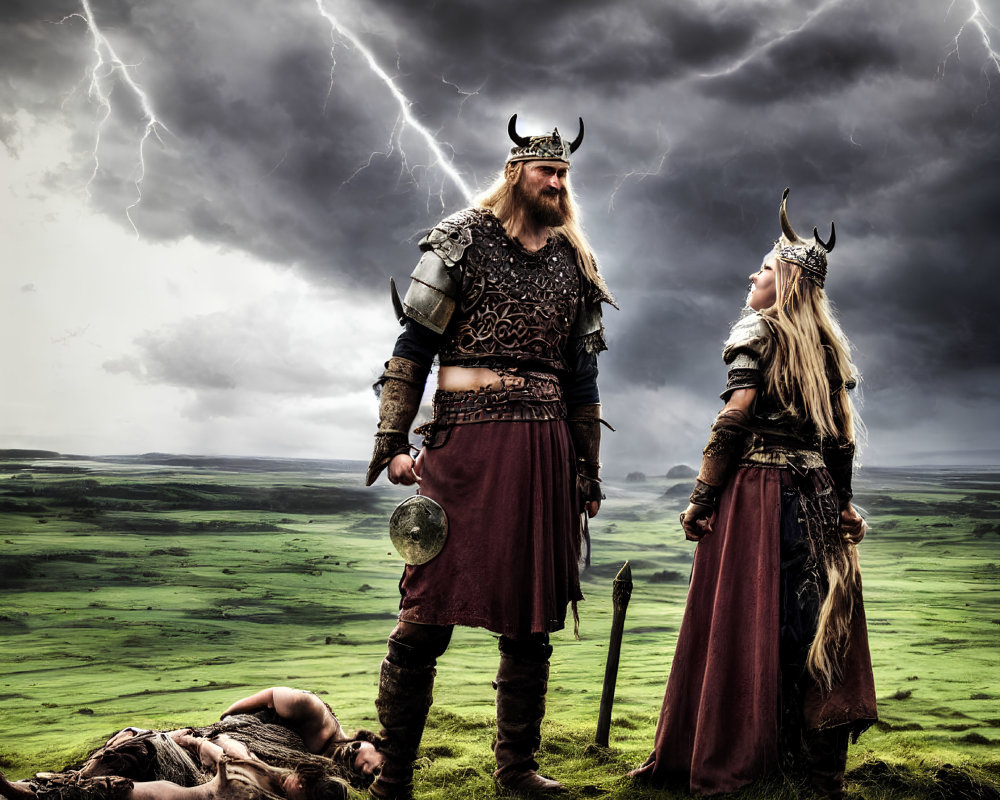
x=278 y=743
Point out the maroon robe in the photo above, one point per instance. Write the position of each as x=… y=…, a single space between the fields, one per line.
x=509 y=563
x=719 y=724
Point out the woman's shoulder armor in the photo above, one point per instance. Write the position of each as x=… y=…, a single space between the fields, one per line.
x=748 y=338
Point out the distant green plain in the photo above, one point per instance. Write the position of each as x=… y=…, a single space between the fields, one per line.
x=155 y=595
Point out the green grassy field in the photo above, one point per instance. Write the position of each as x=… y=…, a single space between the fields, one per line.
x=155 y=595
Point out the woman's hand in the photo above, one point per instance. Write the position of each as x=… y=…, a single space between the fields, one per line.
x=852 y=526
x=697 y=521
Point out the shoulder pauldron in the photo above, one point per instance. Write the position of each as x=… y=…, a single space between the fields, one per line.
x=589 y=325
x=434 y=282
x=451 y=236
x=744 y=352
x=747 y=340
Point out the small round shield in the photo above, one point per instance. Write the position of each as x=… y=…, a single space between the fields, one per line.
x=418 y=528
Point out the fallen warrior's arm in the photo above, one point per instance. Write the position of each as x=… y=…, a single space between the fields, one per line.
x=302 y=711
x=248 y=705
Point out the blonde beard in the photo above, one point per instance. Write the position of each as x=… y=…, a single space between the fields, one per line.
x=500 y=199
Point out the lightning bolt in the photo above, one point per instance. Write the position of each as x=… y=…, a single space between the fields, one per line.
x=465 y=95
x=641 y=175
x=108 y=67
x=405 y=118
x=771 y=42
x=981 y=23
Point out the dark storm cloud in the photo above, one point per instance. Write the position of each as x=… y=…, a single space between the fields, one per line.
x=514 y=46
x=698 y=114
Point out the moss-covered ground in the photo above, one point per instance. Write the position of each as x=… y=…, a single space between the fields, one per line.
x=155 y=595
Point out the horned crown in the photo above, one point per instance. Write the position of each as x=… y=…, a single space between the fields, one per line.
x=809 y=254
x=547 y=147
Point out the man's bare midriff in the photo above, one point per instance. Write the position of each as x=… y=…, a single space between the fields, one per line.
x=468 y=379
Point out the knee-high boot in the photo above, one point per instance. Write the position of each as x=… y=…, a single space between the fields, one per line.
x=405 y=694
x=521 y=683
x=826 y=753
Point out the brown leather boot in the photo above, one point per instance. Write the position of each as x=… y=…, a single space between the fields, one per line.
x=521 y=683
x=404 y=698
x=826 y=754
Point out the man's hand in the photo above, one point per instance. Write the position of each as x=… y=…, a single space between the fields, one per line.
x=852 y=526
x=402 y=470
x=592 y=507
x=696 y=521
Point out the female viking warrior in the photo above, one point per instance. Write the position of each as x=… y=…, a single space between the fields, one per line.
x=772 y=668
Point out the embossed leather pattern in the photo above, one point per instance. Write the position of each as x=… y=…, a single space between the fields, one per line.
x=515 y=306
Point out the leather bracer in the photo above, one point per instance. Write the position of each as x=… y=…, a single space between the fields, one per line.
x=838 y=455
x=399 y=388
x=725 y=447
x=585 y=430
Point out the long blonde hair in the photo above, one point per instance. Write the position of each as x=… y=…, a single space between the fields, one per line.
x=810 y=366
x=501 y=199
x=810 y=369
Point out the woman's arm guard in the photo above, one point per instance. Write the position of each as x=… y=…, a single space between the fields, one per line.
x=838 y=455
x=399 y=388
x=585 y=430
x=725 y=446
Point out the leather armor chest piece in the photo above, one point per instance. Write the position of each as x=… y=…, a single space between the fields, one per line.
x=516 y=307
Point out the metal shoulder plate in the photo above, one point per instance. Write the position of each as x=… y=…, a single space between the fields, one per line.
x=451 y=236
x=430 y=298
x=747 y=339
x=434 y=282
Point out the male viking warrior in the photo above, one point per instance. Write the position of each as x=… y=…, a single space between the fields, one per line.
x=507 y=295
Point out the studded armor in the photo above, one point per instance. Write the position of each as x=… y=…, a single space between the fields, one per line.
x=514 y=307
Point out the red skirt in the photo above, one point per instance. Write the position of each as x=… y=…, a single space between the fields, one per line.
x=510 y=562
x=719 y=724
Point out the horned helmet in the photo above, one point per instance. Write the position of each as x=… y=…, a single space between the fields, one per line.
x=809 y=254
x=546 y=147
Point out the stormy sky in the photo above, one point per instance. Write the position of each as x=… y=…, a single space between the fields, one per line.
x=203 y=203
